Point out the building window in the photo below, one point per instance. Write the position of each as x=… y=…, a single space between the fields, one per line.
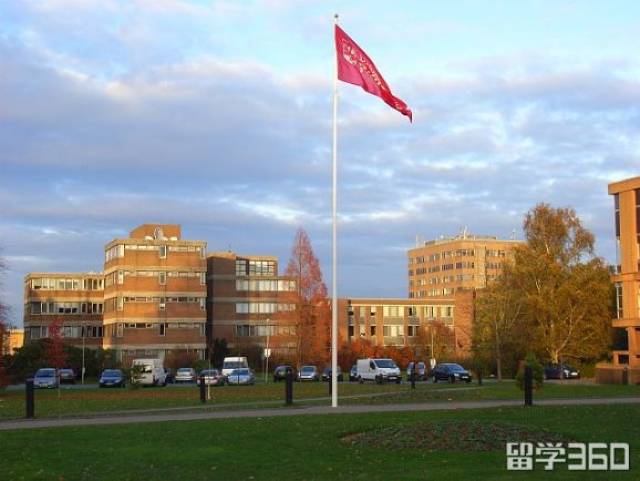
x=119 y=329
x=162 y=250
x=241 y=267
x=351 y=328
x=203 y=278
x=242 y=307
x=120 y=303
x=162 y=278
x=162 y=329
x=619 y=310
x=372 y=330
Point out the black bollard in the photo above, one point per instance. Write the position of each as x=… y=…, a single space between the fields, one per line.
x=413 y=376
x=479 y=377
x=330 y=384
x=625 y=376
x=528 y=386
x=30 y=398
x=203 y=390
x=288 y=387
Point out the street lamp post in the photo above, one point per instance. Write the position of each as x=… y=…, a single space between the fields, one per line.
x=267 y=354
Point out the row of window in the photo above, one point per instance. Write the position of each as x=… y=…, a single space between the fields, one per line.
x=246 y=267
x=159 y=327
x=442 y=255
x=249 y=330
x=265 y=285
x=443 y=279
x=40 y=332
x=427 y=312
x=118 y=276
x=387 y=331
x=58 y=284
x=119 y=250
x=65 y=307
x=263 y=307
x=117 y=303
x=447 y=291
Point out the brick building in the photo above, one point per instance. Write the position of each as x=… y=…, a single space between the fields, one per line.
x=626 y=278
x=155 y=293
x=440 y=325
x=75 y=300
x=438 y=268
x=250 y=304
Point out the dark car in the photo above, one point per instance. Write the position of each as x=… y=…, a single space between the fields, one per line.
x=353 y=373
x=450 y=372
x=326 y=374
x=557 y=371
x=112 y=378
x=421 y=371
x=280 y=373
x=212 y=377
x=67 y=376
x=169 y=377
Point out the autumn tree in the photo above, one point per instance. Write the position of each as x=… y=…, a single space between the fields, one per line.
x=556 y=296
x=498 y=328
x=54 y=351
x=313 y=313
x=436 y=340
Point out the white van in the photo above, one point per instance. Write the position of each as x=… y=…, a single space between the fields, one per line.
x=231 y=363
x=378 y=370
x=152 y=372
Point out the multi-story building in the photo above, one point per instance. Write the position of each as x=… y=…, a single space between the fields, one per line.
x=73 y=301
x=626 y=278
x=155 y=293
x=250 y=304
x=438 y=268
x=428 y=326
x=12 y=339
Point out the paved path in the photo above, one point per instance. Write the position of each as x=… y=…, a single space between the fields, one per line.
x=297 y=411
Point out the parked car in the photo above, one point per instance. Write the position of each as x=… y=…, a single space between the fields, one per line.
x=353 y=373
x=308 y=373
x=212 y=377
x=45 y=378
x=186 y=374
x=231 y=363
x=421 y=371
x=326 y=374
x=168 y=375
x=280 y=373
x=450 y=372
x=112 y=378
x=151 y=372
x=67 y=375
x=242 y=376
x=557 y=371
x=378 y=370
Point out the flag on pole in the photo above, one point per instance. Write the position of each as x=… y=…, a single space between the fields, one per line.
x=355 y=67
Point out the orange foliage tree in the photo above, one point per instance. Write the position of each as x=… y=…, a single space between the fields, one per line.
x=55 y=353
x=313 y=312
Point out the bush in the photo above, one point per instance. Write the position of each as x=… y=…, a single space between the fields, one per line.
x=538 y=372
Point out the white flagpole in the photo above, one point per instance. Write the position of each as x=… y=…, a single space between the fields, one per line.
x=334 y=280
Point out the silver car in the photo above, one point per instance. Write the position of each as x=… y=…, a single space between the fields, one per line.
x=308 y=373
x=242 y=376
x=46 y=378
x=185 y=374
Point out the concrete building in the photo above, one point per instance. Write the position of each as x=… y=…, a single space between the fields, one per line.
x=250 y=304
x=12 y=340
x=626 y=278
x=440 y=267
x=74 y=301
x=424 y=325
x=155 y=293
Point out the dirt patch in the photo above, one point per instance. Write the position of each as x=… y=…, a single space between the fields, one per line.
x=452 y=436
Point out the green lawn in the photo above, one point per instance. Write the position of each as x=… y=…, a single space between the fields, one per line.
x=73 y=402
x=312 y=447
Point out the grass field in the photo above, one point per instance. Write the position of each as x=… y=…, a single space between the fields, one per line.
x=74 y=402
x=317 y=447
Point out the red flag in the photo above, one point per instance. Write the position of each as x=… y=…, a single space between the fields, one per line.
x=355 y=67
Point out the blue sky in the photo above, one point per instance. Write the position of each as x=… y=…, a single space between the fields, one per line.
x=216 y=115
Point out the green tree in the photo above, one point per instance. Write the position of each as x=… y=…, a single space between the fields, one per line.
x=554 y=299
x=497 y=331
